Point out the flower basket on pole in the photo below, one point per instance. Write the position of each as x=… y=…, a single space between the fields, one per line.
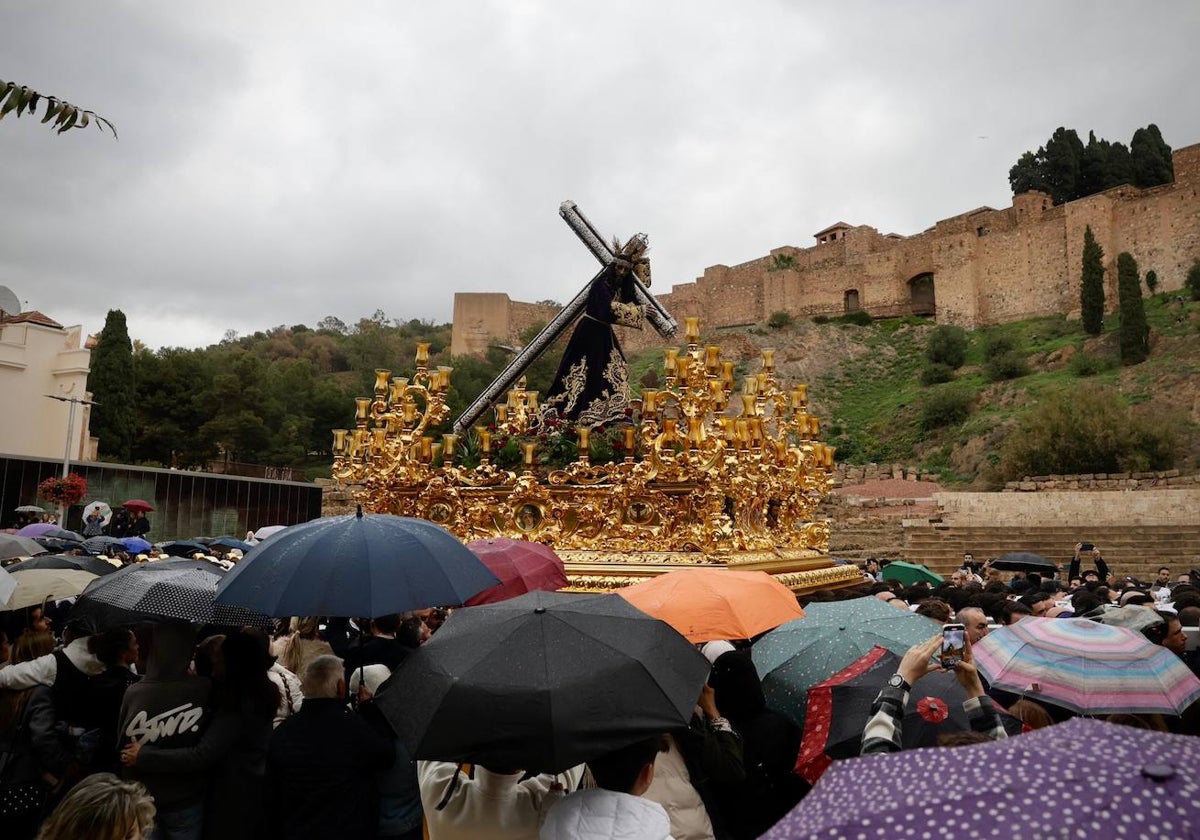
x=67 y=491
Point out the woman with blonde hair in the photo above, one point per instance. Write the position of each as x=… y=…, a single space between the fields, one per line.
x=303 y=646
x=101 y=807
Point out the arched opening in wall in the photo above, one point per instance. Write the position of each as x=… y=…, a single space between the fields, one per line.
x=921 y=295
x=850 y=300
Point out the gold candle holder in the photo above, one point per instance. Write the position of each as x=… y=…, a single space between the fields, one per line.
x=727 y=375
x=649 y=397
x=448 y=442
x=629 y=442
x=712 y=359
x=485 y=439
x=502 y=414
x=585 y=434
x=378 y=439
x=339 y=441
x=528 y=452
x=691 y=329
x=398 y=386
x=381 y=381
x=748 y=405
x=362 y=408
x=671 y=362
x=410 y=411
x=426 y=449
x=768 y=357
x=422 y=354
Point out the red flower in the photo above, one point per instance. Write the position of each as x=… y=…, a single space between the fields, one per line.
x=65 y=491
x=932 y=709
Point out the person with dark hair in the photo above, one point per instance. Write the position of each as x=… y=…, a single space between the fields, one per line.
x=1039 y=602
x=770 y=744
x=379 y=647
x=615 y=809
x=936 y=609
x=233 y=749
x=118 y=650
x=1010 y=612
x=1091 y=552
x=1084 y=602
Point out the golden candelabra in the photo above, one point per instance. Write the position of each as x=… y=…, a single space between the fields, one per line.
x=708 y=476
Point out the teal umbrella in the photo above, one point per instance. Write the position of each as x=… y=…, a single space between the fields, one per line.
x=795 y=656
x=909 y=573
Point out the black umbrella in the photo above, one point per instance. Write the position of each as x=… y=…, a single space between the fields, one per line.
x=102 y=545
x=66 y=561
x=543 y=682
x=182 y=589
x=1024 y=561
x=184 y=548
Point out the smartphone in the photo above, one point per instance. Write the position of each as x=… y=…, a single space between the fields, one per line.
x=954 y=641
x=1086 y=547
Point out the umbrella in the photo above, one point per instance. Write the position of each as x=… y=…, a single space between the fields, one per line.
x=356 y=565
x=794 y=657
x=138 y=504
x=268 y=531
x=182 y=589
x=543 y=682
x=65 y=561
x=521 y=566
x=1108 y=781
x=839 y=707
x=230 y=542
x=7 y=585
x=184 y=548
x=105 y=511
x=136 y=545
x=37 y=529
x=29 y=509
x=708 y=604
x=1024 y=561
x=909 y=573
x=37 y=585
x=12 y=545
x=1087 y=667
x=102 y=545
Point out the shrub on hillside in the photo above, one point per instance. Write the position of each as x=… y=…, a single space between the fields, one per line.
x=945 y=407
x=859 y=317
x=936 y=372
x=1152 y=281
x=998 y=345
x=947 y=345
x=1085 y=364
x=1010 y=364
x=1088 y=429
x=779 y=320
x=1192 y=283
x=820 y=319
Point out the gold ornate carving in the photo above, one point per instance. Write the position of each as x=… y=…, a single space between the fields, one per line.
x=709 y=477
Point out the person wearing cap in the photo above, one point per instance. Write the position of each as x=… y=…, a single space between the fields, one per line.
x=400 y=812
x=1102 y=570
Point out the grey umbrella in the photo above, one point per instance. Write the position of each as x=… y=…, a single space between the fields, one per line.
x=14 y=546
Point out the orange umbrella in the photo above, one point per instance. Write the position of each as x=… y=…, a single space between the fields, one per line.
x=707 y=604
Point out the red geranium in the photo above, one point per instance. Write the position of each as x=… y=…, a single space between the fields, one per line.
x=64 y=491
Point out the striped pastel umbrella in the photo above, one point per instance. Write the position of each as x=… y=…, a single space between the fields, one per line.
x=1087 y=667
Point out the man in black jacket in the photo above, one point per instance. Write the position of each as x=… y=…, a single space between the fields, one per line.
x=321 y=764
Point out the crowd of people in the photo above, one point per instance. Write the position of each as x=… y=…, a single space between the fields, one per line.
x=171 y=731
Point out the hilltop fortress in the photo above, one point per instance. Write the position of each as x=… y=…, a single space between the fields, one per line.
x=982 y=267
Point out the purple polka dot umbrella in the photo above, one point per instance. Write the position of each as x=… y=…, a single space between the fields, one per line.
x=1107 y=781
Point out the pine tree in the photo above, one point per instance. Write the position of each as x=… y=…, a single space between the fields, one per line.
x=1151 y=158
x=1135 y=332
x=1091 y=286
x=112 y=386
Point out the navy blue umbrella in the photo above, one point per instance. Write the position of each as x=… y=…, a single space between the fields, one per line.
x=229 y=542
x=356 y=565
x=184 y=548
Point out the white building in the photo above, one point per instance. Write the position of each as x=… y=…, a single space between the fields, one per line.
x=40 y=357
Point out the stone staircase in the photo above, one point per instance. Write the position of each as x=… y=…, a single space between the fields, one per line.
x=1131 y=548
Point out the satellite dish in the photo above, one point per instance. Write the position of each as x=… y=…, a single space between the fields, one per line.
x=9 y=303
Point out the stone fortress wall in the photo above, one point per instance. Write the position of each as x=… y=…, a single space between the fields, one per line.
x=982 y=267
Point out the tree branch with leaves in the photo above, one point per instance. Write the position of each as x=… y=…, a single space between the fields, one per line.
x=59 y=113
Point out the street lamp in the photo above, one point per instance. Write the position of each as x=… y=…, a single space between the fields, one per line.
x=66 y=468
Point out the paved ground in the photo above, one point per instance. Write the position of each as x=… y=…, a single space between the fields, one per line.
x=892 y=488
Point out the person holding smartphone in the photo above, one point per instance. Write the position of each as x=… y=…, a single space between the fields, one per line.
x=883 y=734
x=1086 y=550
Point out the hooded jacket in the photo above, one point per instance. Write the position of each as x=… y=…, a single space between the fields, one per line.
x=169 y=709
x=600 y=814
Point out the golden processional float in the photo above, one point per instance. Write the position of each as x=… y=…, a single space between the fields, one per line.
x=698 y=474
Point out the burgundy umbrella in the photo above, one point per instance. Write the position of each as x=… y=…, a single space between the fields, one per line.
x=522 y=566
x=138 y=504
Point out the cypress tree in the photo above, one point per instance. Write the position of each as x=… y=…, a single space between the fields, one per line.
x=1091 y=286
x=111 y=383
x=1135 y=332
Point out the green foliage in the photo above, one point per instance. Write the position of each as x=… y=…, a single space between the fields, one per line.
x=936 y=372
x=779 y=320
x=782 y=262
x=1088 y=429
x=859 y=317
x=1011 y=364
x=20 y=99
x=947 y=406
x=1134 y=330
x=998 y=344
x=1085 y=364
x=1192 y=283
x=1066 y=169
x=111 y=381
x=1152 y=281
x=1091 y=286
x=947 y=346
x=821 y=319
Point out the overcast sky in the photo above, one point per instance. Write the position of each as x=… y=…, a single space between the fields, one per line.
x=283 y=161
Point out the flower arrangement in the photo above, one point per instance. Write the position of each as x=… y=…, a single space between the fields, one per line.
x=64 y=491
x=557 y=445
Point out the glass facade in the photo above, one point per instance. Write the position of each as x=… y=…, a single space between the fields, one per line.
x=186 y=504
